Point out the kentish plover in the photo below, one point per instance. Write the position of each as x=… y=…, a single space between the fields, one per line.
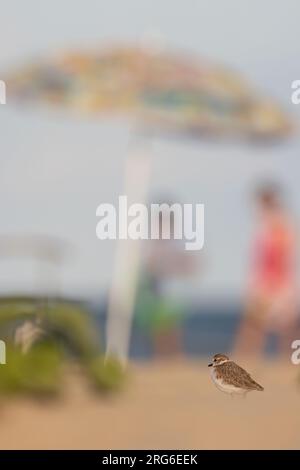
x=231 y=378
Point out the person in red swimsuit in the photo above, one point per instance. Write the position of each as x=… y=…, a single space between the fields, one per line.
x=272 y=297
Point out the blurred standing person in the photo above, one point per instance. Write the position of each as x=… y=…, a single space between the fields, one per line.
x=157 y=313
x=272 y=297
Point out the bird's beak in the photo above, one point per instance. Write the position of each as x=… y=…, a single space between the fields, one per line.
x=210 y=365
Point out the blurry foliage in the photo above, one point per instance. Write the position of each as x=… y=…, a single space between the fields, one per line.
x=105 y=374
x=38 y=372
x=68 y=334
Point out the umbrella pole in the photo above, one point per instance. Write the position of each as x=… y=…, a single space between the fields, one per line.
x=127 y=260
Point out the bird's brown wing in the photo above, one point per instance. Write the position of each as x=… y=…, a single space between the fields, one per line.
x=237 y=376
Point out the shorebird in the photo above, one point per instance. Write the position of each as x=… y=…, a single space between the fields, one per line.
x=231 y=378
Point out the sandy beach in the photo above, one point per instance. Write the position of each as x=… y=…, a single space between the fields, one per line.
x=165 y=405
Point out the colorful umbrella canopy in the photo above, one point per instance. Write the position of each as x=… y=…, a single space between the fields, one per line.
x=166 y=90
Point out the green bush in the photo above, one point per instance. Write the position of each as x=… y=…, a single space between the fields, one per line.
x=67 y=334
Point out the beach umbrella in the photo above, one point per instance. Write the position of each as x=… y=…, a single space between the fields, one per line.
x=165 y=93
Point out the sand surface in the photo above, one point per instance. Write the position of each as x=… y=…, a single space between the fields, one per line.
x=164 y=405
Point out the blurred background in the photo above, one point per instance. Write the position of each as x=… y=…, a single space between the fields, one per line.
x=164 y=102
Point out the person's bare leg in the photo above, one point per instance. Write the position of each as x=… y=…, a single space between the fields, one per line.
x=176 y=342
x=250 y=338
x=167 y=343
